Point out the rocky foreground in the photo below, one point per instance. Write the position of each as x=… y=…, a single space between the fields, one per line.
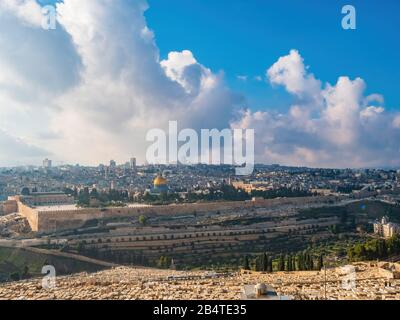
x=125 y=283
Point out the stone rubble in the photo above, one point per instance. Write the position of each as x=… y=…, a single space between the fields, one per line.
x=127 y=283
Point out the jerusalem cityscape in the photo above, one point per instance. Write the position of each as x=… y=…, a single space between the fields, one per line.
x=296 y=228
x=179 y=151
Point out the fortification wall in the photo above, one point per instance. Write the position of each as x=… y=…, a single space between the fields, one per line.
x=8 y=207
x=30 y=214
x=50 y=221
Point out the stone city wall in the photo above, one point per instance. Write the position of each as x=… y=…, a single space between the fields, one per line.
x=8 y=207
x=30 y=214
x=50 y=221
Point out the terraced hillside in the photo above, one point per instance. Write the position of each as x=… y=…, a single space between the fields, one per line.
x=18 y=263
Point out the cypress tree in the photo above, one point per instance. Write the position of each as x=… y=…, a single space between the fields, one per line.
x=289 y=263
x=309 y=262
x=258 y=261
x=300 y=261
x=246 y=265
x=281 y=263
x=294 y=263
x=265 y=261
x=306 y=263
x=270 y=267
x=320 y=262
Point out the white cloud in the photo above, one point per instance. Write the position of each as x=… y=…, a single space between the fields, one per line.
x=290 y=72
x=371 y=111
x=29 y=11
x=125 y=89
x=343 y=131
x=396 y=122
x=90 y=90
x=183 y=68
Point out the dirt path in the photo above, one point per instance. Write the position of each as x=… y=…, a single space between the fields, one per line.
x=72 y=256
x=23 y=246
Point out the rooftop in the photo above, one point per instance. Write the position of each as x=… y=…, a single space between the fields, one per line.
x=63 y=207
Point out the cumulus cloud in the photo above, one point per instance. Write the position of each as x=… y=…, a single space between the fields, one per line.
x=396 y=122
x=343 y=131
x=36 y=67
x=123 y=89
x=90 y=90
x=183 y=68
x=29 y=11
x=290 y=72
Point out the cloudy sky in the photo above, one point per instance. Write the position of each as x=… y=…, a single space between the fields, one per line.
x=89 y=91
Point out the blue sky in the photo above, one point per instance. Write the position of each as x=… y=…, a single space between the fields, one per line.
x=100 y=72
x=246 y=37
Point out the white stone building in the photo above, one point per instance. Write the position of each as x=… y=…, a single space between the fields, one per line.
x=386 y=229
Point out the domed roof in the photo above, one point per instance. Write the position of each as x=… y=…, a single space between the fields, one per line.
x=261 y=288
x=160 y=181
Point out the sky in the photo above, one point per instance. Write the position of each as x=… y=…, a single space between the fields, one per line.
x=89 y=91
x=245 y=37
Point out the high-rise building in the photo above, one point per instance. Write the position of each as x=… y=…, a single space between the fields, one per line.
x=106 y=173
x=113 y=185
x=47 y=163
x=132 y=163
x=113 y=164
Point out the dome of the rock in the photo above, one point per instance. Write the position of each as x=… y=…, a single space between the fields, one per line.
x=160 y=185
x=160 y=181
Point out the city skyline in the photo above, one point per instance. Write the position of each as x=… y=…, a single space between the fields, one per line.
x=91 y=89
x=126 y=163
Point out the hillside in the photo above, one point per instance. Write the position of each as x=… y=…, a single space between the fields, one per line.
x=15 y=261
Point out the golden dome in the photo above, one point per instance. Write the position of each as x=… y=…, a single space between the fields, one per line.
x=160 y=181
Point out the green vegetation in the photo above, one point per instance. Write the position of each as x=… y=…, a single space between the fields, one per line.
x=142 y=220
x=95 y=199
x=263 y=263
x=246 y=263
x=281 y=193
x=375 y=249
x=164 y=262
x=16 y=264
x=123 y=257
x=229 y=193
x=360 y=212
x=302 y=261
x=223 y=193
x=300 y=249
